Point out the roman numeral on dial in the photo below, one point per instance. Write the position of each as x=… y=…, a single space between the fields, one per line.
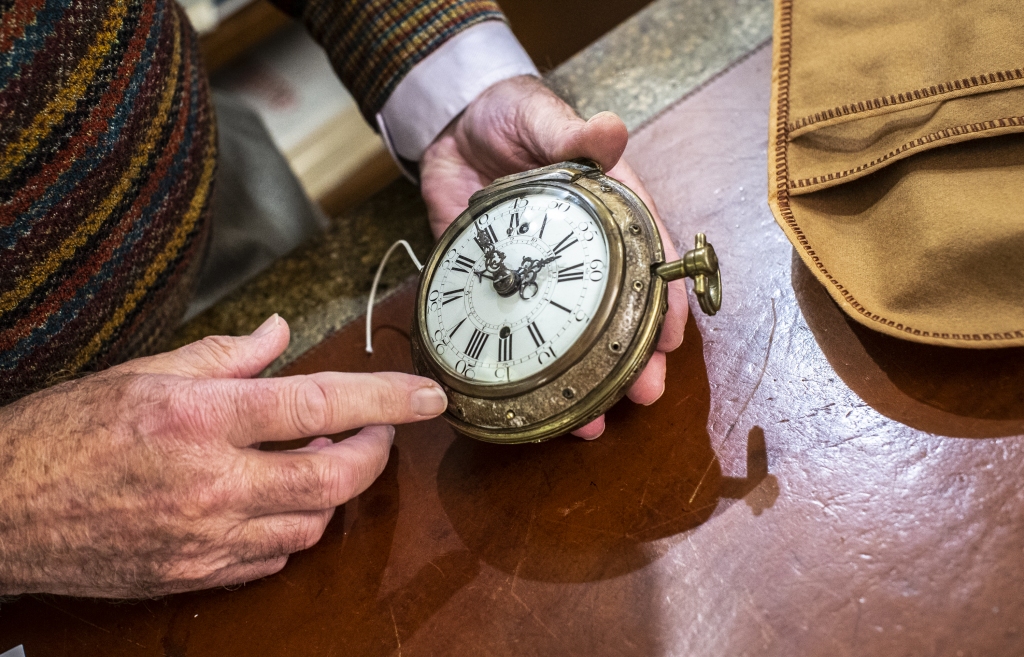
x=505 y=348
x=463 y=264
x=452 y=295
x=563 y=245
x=538 y=339
x=574 y=273
x=476 y=344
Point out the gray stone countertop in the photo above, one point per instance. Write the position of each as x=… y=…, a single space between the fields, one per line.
x=637 y=70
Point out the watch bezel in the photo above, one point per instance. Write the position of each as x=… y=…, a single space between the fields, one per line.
x=584 y=199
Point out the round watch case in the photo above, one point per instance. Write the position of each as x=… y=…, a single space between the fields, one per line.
x=605 y=360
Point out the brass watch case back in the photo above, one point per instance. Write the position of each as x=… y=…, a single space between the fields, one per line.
x=607 y=358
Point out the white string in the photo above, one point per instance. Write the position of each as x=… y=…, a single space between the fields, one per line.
x=376 y=281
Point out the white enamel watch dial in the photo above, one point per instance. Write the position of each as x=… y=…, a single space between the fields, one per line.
x=516 y=289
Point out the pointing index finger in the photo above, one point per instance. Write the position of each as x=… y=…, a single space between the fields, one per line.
x=258 y=410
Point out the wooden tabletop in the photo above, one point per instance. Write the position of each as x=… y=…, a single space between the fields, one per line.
x=805 y=486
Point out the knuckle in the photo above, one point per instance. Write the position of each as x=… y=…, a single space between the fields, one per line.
x=272 y=567
x=265 y=547
x=217 y=350
x=189 y=574
x=174 y=412
x=143 y=402
x=138 y=392
x=348 y=477
x=389 y=392
x=344 y=485
x=303 y=480
x=253 y=542
x=307 y=532
x=192 y=409
x=311 y=408
x=207 y=570
x=210 y=497
x=181 y=412
x=196 y=490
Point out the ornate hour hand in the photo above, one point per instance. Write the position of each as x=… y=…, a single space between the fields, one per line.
x=485 y=241
x=527 y=273
x=505 y=281
x=494 y=260
x=494 y=266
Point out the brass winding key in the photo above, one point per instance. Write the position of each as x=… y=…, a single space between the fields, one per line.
x=700 y=264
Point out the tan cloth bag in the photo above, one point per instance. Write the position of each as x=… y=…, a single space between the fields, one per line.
x=897 y=161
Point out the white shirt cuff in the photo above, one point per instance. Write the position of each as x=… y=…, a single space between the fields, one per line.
x=437 y=89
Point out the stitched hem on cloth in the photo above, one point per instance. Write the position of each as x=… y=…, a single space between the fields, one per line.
x=955 y=134
x=780 y=195
x=909 y=99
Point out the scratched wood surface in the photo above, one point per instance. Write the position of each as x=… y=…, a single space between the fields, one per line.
x=805 y=486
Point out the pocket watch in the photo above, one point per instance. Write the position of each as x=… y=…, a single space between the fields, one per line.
x=542 y=303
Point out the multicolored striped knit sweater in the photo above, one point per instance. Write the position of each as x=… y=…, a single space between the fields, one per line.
x=108 y=157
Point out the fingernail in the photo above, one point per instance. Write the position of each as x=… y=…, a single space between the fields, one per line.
x=651 y=403
x=317 y=445
x=429 y=401
x=267 y=327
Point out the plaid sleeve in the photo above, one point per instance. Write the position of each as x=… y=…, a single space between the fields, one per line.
x=373 y=44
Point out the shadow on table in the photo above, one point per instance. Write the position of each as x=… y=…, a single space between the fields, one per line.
x=969 y=393
x=576 y=511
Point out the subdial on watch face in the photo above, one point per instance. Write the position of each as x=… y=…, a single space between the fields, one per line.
x=516 y=289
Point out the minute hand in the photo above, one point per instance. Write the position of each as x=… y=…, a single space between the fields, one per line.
x=528 y=271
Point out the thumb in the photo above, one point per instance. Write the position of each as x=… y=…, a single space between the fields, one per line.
x=220 y=356
x=559 y=134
